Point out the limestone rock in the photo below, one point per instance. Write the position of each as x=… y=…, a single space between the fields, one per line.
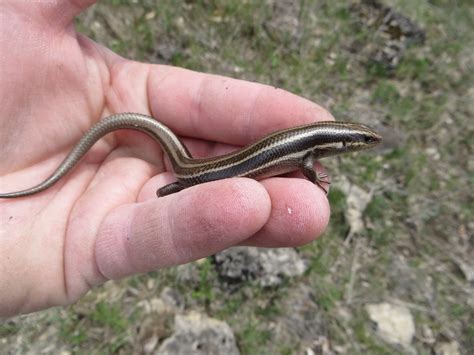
x=195 y=333
x=268 y=266
x=394 y=323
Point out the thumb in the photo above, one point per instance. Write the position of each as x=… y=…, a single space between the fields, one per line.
x=180 y=228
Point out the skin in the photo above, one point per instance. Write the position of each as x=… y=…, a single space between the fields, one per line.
x=103 y=221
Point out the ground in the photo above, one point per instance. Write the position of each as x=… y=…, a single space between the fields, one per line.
x=401 y=229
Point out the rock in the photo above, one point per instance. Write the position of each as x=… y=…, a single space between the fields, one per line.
x=188 y=274
x=197 y=334
x=395 y=31
x=394 y=323
x=357 y=201
x=301 y=320
x=268 y=266
x=451 y=348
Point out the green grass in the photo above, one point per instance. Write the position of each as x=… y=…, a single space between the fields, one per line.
x=204 y=293
x=8 y=329
x=109 y=316
x=253 y=337
x=72 y=329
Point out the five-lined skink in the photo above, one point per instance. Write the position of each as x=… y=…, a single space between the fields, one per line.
x=281 y=152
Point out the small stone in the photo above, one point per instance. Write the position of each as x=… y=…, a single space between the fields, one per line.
x=451 y=348
x=150 y=344
x=428 y=335
x=433 y=153
x=268 y=266
x=150 y=15
x=196 y=333
x=395 y=323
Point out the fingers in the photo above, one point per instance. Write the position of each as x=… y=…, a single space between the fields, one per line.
x=223 y=109
x=208 y=218
x=300 y=213
x=179 y=228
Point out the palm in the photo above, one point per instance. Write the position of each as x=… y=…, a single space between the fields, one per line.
x=66 y=87
x=103 y=220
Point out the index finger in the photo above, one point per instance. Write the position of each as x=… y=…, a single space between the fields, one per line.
x=223 y=109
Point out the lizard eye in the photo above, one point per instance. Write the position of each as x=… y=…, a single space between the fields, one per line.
x=370 y=140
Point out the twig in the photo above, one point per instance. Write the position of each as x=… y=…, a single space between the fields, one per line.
x=354 y=268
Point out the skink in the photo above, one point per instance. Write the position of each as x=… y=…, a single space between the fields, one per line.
x=281 y=152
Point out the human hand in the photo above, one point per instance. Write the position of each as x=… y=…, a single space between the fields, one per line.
x=103 y=221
